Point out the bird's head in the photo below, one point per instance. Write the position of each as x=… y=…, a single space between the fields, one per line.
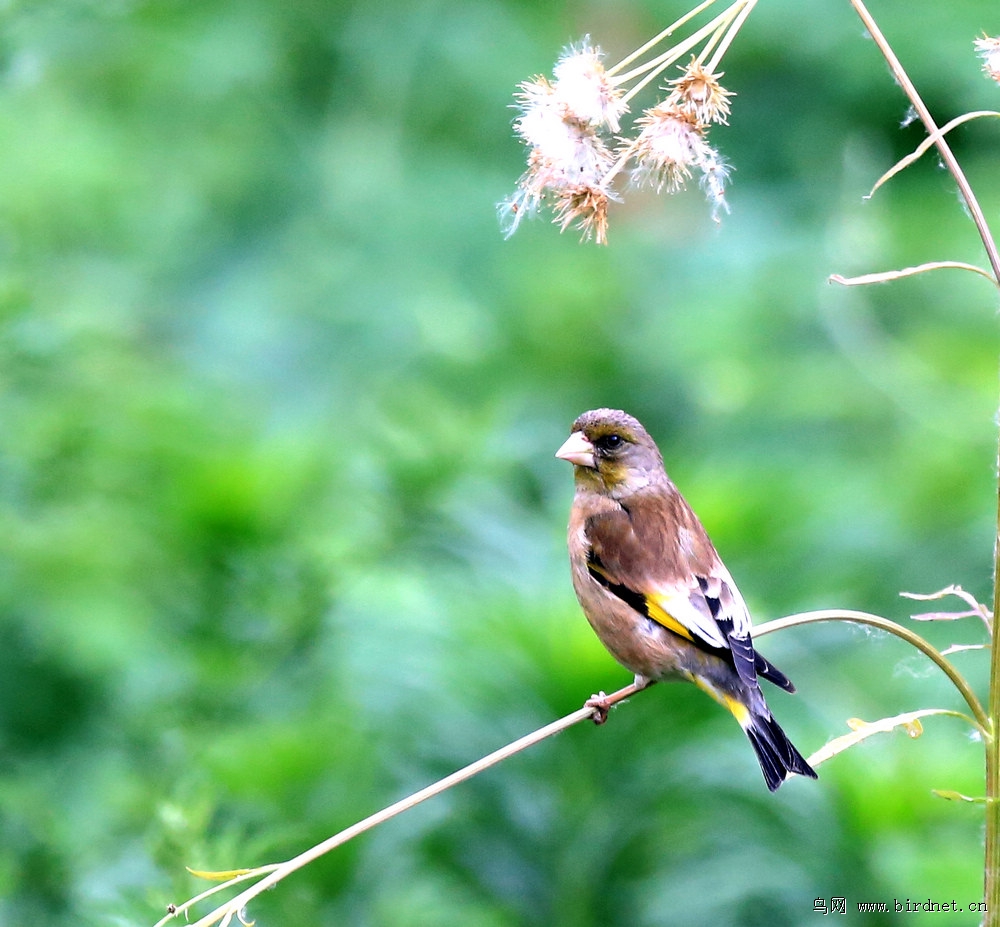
x=612 y=453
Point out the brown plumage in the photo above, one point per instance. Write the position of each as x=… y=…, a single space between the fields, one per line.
x=653 y=587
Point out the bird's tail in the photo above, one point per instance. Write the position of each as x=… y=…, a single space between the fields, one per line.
x=775 y=752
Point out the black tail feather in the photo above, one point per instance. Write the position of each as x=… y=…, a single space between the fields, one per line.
x=767 y=670
x=775 y=752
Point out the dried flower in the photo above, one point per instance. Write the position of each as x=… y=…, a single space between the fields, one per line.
x=670 y=144
x=561 y=121
x=588 y=207
x=571 y=124
x=540 y=123
x=698 y=92
x=582 y=86
x=989 y=50
x=580 y=166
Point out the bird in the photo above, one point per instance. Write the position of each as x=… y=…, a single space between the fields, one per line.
x=654 y=589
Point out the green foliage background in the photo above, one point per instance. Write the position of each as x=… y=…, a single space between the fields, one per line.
x=281 y=528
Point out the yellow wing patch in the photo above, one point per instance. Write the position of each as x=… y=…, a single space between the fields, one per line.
x=661 y=616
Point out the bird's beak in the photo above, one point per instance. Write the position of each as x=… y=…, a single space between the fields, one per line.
x=577 y=450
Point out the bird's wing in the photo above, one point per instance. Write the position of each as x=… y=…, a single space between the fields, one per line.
x=680 y=584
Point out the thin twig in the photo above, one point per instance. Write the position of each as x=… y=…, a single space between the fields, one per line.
x=280 y=871
x=243 y=876
x=925 y=144
x=276 y=872
x=884 y=624
x=951 y=162
x=889 y=275
x=653 y=42
x=976 y=607
x=656 y=66
x=713 y=65
x=991 y=887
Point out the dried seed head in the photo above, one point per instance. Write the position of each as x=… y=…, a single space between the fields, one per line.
x=586 y=206
x=562 y=122
x=582 y=86
x=583 y=159
x=569 y=144
x=699 y=92
x=989 y=50
x=569 y=122
x=540 y=116
x=670 y=144
x=582 y=168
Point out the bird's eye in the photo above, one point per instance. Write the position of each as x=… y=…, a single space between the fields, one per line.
x=609 y=442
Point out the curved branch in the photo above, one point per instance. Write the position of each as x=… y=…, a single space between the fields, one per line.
x=951 y=162
x=888 y=275
x=276 y=872
x=876 y=621
x=931 y=139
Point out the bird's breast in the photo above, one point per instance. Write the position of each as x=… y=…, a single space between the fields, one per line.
x=634 y=640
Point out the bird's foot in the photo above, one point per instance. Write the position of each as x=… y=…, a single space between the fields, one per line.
x=600 y=704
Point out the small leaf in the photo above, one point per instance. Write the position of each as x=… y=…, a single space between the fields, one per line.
x=223 y=876
x=862 y=730
x=914 y=728
x=961 y=648
x=951 y=589
x=949 y=795
x=976 y=608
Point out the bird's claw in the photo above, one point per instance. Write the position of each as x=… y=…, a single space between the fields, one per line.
x=600 y=705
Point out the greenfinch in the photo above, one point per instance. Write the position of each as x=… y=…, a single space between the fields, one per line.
x=653 y=587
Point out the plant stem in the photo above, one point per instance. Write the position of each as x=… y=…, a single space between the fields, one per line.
x=884 y=624
x=275 y=873
x=991 y=868
x=656 y=66
x=944 y=149
x=887 y=275
x=653 y=42
x=730 y=35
